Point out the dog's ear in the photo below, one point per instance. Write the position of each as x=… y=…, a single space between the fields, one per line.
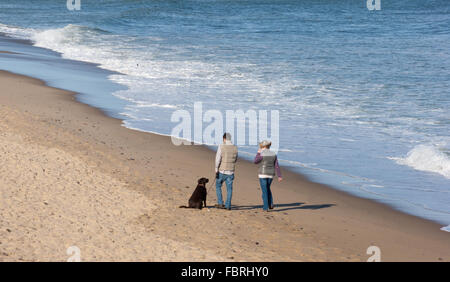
x=206 y=180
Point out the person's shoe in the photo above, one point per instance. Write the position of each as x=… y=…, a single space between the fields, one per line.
x=271 y=207
x=228 y=208
x=219 y=206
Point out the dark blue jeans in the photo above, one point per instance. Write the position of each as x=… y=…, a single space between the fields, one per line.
x=228 y=179
x=266 y=193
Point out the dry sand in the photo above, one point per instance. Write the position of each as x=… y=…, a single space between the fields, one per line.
x=71 y=176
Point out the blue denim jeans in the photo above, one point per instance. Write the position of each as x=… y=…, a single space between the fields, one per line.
x=228 y=179
x=266 y=193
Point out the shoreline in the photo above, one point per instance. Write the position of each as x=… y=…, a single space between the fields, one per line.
x=313 y=222
x=93 y=98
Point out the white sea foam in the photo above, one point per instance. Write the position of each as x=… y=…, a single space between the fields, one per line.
x=347 y=139
x=154 y=105
x=16 y=32
x=446 y=228
x=427 y=158
x=204 y=79
x=285 y=150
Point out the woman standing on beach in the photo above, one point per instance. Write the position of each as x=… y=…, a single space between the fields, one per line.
x=268 y=166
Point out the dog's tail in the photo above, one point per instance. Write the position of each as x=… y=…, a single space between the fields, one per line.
x=184 y=207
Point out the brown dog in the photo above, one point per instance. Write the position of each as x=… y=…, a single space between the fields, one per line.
x=198 y=198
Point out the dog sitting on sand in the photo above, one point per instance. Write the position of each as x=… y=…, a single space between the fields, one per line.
x=198 y=198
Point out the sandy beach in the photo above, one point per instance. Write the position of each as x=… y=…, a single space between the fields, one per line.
x=72 y=176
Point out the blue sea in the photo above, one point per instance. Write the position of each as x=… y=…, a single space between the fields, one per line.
x=363 y=96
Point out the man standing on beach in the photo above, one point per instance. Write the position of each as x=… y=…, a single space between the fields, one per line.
x=225 y=163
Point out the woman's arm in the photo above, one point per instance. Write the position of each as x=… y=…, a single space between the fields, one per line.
x=258 y=158
x=277 y=168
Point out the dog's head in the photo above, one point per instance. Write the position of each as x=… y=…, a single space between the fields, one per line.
x=203 y=181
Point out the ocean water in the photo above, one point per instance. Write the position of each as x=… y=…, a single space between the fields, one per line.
x=363 y=96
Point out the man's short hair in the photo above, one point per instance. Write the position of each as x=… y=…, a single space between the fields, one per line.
x=227 y=136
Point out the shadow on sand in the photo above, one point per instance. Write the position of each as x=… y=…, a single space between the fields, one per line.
x=286 y=207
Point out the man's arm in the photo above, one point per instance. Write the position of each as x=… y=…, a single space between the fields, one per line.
x=218 y=157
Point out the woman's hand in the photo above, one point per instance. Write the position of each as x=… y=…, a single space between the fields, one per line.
x=280 y=179
x=259 y=150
